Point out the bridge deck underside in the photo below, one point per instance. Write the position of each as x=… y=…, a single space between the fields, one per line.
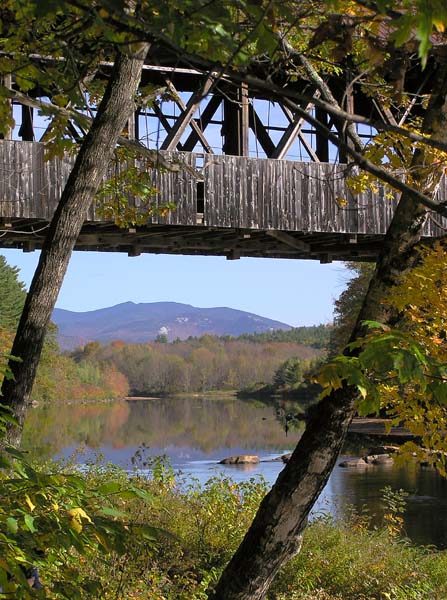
x=28 y=235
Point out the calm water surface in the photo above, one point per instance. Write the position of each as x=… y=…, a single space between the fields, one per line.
x=195 y=433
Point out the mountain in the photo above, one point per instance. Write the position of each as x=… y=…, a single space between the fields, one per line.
x=130 y=322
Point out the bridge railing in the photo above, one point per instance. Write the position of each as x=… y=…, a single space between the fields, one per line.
x=216 y=191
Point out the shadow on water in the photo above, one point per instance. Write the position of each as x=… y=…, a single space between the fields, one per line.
x=196 y=432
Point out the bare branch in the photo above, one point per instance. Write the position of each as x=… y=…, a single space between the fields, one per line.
x=84 y=122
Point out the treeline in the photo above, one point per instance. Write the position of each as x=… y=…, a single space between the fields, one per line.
x=58 y=376
x=277 y=358
x=195 y=365
x=314 y=336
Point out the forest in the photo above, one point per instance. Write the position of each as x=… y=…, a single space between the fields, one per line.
x=208 y=363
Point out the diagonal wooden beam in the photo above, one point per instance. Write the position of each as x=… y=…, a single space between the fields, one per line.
x=164 y=121
x=205 y=118
x=293 y=131
x=310 y=151
x=260 y=132
x=184 y=119
x=193 y=123
x=288 y=240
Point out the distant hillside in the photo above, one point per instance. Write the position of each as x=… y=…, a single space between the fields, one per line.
x=134 y=323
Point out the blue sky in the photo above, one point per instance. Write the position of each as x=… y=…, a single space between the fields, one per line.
x=296 y=292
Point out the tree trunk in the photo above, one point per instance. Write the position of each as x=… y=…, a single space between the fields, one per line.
x=275 y=535
x=88 y=172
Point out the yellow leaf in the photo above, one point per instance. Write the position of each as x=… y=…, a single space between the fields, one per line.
x=103 y=541
x=439 y=25
x=29 y=502
x=76 y=525
x=78 y=514
x=341 y=202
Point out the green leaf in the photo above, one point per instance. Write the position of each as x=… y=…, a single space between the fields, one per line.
x=112 y=512
x=4 y=462
x=375 y=325
x=128 y=495
x=29 y=522
x=438 y=391
x=143 y=494
x=109 y=488
x=369 y=405
x=12 y=524
x=15 y=453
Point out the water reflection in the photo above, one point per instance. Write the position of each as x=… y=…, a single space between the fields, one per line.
x=426 y=513
x=201 y=427
x=197 y=432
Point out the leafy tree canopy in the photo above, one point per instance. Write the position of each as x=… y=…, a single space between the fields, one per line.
x=12 y=296
x=347 y=306
x=403 y=369
x=315 y=336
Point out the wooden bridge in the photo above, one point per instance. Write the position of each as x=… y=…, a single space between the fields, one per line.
x=257 y=179
x=225 y=205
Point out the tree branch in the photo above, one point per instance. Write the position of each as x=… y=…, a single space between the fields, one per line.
x=85 y=122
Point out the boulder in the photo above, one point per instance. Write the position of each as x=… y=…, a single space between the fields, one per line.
x=370 y=458
x=382 y=459
x=353 y=463
x=284 y=458
x=241 y=459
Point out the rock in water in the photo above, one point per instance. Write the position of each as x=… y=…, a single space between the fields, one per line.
x=242 y=459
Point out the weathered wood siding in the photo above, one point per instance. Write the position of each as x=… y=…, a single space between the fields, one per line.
x=295 y=196
x=238 y=192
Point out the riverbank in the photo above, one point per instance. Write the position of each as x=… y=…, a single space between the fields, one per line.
x=377 y=426
x=374 y=431
x=194 y=532
x=210 y=395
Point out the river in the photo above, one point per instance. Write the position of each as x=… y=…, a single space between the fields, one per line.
x=196 y=432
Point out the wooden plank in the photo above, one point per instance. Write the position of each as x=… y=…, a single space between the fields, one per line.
x=239 y=193
x=322 y=143
x=261 y=132
x=235 y=127
x=26 y=130
x=7 y=82
x=192 y=123
x=203 y=122
x=180 y=125
x=289 y=240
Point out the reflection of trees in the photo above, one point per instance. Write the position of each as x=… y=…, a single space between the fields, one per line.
x=204 y=424
x=425 y=520
x=51 y=428
x=200 y=423
x=288 y=413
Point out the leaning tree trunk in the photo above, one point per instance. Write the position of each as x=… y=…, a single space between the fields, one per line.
x=89 y=170
x=275 y=535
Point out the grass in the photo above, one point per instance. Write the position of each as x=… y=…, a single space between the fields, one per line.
x=194 y=530
x=201 y=527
